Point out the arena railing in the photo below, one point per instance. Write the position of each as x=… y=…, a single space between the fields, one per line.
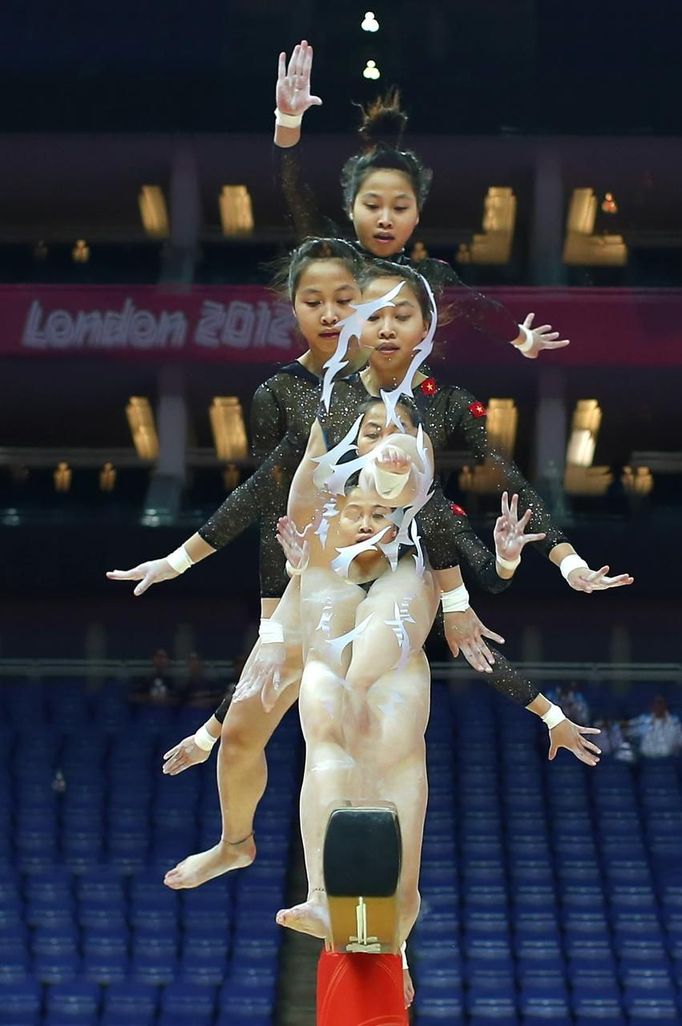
x=124 y=670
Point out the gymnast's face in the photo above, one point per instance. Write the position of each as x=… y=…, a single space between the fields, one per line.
x=374 y=428
x=384 y=212
x=393 y=333
x=324 y=294
x=362 y=516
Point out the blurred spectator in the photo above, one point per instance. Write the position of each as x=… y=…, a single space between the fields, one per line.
x=658 y=733
x=197 y=689
x=159 y=688
x=572 y=701
x=612 y=740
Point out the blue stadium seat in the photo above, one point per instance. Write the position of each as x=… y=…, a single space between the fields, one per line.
x=101 y=886
x=130 y=1003
x=154 y=965
x=438 y=1010
x=634 y=952
x=72 y=1004
x=205 y=957
x=489 y=1011
x=632 y=897
x=20 y=1003
x=187 y=1004
x=56 y=966
x=583 y=897
x=436 y=924
x=535 y=923
x=591 y=1011
x=652 y=1011
x=580 y=925
x=545 y=1011
x=593 y=954
x=103 y=921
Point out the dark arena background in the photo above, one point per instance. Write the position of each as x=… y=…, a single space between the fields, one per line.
x=141 y=210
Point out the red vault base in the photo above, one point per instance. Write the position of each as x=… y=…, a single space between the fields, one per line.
x=360 y=990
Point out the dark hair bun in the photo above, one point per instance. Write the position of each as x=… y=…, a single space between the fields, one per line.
x=383 y=120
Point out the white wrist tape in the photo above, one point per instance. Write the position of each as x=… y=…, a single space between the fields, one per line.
x=455 y=601
x=270 y=631
x=553 y=716
x=204 y=739
x=180 y=560
x=295 y=571
x=403 y=952
x=570 y=563
x=528 y=336
x=508 y=564
x=287 y=120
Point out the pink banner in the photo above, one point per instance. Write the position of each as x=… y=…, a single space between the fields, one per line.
x=247 y=324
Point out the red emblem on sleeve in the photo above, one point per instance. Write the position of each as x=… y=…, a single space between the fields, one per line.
x=477 y=409
x=429 y=386
x=457 y=510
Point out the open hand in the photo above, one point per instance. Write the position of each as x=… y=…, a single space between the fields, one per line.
x=584 y=579
x=183 y=755
x=464 y=633
x=292 y=92
x=294 y=543
x=569 y=735
x=543 y=338
x=152 y=572
x=264 y=675
x=509 y=530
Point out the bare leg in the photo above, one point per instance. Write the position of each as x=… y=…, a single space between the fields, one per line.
x=389 y=681
x=365 y=736
x=242 y=776
x=393 y=756
x=330 y=776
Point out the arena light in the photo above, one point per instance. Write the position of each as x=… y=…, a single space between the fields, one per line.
x=501 y=423
x=80 y=253
x=142 y=427
x=229 y=430
x=62 y=477
x=584 y=431
x=369 y=22
x=153 y=211
x=236 y=211
x=582 y=247
x=637 y=480
x=231 y=477
x=107 y=478
x=494 y=244
x=371 y=71
x=581 y=477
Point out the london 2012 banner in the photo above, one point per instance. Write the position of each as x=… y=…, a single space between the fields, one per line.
x=249 y=324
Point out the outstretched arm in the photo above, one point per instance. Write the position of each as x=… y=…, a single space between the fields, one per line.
x=293 y=99
x=491 y=318
x=240 y=509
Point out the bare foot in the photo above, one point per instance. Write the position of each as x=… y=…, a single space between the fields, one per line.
x=312 y=917
x=205 y=865
x=408 y=988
